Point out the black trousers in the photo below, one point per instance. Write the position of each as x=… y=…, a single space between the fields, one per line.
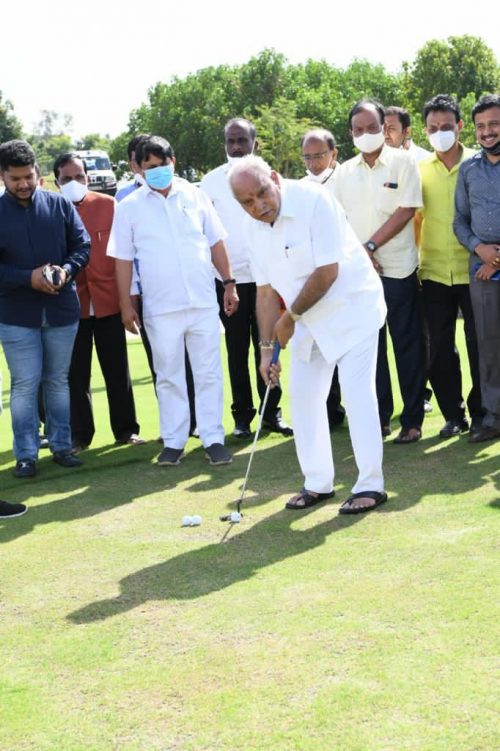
x=108 y=335
x=404 y=323
x=440 y=306
x=240 y=329
x=189 y=372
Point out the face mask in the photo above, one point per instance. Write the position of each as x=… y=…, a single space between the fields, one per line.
x=369 y=142
x=160 y=177
x=322 y=177
x=74 y=190
x=493 y=150
x=442 y=140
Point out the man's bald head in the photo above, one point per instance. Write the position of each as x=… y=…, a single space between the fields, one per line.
x=257 y=188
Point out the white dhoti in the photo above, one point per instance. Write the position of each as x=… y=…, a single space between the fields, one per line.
x=199 y=330
x=309 y=387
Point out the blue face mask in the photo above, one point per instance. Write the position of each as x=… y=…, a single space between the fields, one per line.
x=160 y=177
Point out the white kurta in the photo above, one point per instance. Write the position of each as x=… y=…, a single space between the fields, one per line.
x=340 y=329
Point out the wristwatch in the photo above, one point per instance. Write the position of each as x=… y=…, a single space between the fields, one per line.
x=371 y=246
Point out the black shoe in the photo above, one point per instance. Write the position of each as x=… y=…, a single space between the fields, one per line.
x=25 y=468
x=170 y=457
x=66 y=459
x=277 y=425
x=217 y=454
x=454 y=427
x=10 y=510
x=242 y=430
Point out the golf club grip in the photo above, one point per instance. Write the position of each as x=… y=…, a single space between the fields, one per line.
x=276 y=353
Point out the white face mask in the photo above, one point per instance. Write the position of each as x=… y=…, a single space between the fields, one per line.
x=74 y=190
x=369 y=142
x=322 y=177
x=442 y=140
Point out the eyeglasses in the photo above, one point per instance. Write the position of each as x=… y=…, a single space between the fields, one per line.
x=314 y=157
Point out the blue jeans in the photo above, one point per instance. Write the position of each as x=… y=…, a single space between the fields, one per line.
x=35 y=356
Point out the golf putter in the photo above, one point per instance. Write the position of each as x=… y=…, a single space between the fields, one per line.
x=235 y=516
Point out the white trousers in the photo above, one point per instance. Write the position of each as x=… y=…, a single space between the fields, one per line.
x=199 y=330
x=309 y=387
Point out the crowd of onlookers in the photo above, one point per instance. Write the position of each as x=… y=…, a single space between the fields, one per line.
x=172 y=262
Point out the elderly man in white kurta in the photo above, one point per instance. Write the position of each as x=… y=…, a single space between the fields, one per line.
x=171 y=233
x=303 y=250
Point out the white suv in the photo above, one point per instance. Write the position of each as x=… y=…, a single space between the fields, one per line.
x=102 y=179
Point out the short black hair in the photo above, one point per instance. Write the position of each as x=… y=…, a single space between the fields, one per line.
x=236 y=121
x=321 y=133
x=153 y=145
x=132 y=144
x=364 y=104
x=403 y=115
x=62 y=161
x=442 y=103
x=16 y=153
x=485 y=102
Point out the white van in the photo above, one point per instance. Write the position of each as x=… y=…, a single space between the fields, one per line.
x=102 y=179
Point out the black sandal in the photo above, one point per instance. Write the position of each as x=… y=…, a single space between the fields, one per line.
x=348 y=508
x=309 y=499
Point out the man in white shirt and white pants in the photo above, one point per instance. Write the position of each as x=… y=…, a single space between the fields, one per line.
x=172 y=233
x=304 y=251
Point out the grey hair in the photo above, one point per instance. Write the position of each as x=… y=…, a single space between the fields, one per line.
x=250 y=163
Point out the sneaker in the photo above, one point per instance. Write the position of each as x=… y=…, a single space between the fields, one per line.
x=66 y=459
x=25 y=468
x=217 y=454
x=242 y=430
x=427 y=406
x=78 y=446
x=10 y=510
x=44 y=441
x=170 y=457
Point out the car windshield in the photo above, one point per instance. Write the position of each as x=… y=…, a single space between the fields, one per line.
x=97 y=163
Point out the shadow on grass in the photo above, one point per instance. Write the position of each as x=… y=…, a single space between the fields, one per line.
x=113 y=476
x=214 y=567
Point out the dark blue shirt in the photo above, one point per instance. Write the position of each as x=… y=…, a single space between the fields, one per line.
x=48 y=230
x=477 y=202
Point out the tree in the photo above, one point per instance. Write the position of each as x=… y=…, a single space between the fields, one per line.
x=280 y=132
x=10 y=127
x=460 y=65
x=93 y=141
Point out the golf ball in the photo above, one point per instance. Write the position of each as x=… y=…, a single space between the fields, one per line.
x=235 y=517
x=195 y=520
x=187 y=521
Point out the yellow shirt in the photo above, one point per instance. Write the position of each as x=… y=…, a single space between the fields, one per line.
x=442 y=258
x=370 y=195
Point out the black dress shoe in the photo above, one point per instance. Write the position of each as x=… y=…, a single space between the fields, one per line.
x=454 y=427
x=242 y=430
x=277 y=425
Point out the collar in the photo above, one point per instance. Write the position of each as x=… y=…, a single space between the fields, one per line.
x=383 y=157
x=172 y=192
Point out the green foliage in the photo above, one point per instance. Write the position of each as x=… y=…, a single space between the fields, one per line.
x=10 y=127
x=280 y=132
x=460 y=65
x=93 y=141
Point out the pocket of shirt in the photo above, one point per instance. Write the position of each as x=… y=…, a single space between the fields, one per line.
x=193 y=222
x=300 y=260
x=387 y=200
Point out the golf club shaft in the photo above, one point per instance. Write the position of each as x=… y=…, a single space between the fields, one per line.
x=274 y=360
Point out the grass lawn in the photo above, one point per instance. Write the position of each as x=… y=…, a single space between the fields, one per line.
x=289 y=632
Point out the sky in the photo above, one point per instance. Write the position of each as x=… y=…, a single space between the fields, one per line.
x=96 y=60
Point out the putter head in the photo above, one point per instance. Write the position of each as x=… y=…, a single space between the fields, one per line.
x=234 y=517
